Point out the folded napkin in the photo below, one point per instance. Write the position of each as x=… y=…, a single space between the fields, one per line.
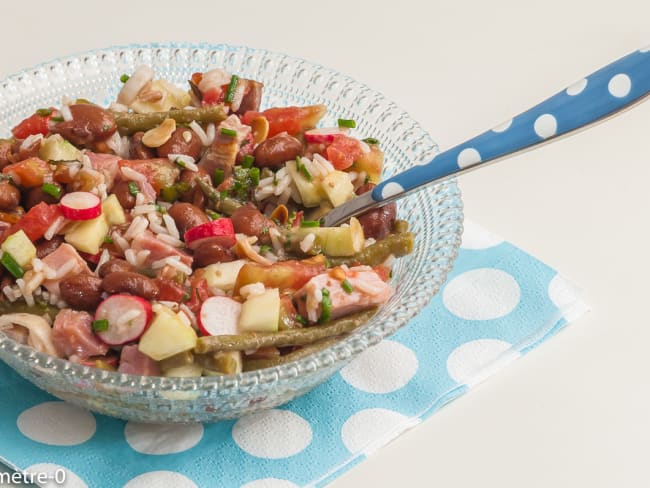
x=498 y=304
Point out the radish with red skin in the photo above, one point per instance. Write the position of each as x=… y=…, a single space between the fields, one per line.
x=81 y=205
x=221 y=228
x=114 y=309
x=219 y=316
x=325 y=135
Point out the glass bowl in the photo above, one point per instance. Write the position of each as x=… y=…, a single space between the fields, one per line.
x=435 y=215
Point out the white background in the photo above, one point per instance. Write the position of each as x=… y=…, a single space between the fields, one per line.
x=577 y=411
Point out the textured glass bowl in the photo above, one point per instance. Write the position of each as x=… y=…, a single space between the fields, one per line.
x=435 y=215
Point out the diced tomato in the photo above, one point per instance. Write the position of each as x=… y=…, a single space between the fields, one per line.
x=199 y=293
x=34 y=124
x=293 y=120
x=344 y=151
x=213 y=96
x=160 y=172
x=170 y=291
x=29 y=173
x=35 y=222
x=383 y=272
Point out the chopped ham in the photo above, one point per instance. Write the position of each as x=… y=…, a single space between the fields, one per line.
x=105 y=164
x=158 y=249
x=132 y=361
x=72 y=335
x=64 y=261
x=368 y=290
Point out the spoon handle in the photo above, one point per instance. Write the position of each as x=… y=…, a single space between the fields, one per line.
x=594 y=98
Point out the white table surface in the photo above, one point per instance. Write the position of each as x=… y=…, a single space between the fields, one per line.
x=575 y=412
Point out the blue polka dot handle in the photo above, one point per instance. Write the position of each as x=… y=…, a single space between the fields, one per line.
x=592 y=99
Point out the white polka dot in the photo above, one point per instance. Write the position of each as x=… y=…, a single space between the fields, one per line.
x=620 y=85
x=160 y=478
x=481 y=294
x=369 y=429
x=162 y=438
x=545 y=126
x=474 y=361
x=56 y=474
x=468 y=157
x=391 y=189
x=270 y=483
x=562 y=293
x=272 y=434
x=476 y=237
x=57 y=424
x=577 y=87
x=398 y=365
x=504 y=126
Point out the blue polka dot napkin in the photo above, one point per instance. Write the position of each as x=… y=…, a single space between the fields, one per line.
x=498 y=304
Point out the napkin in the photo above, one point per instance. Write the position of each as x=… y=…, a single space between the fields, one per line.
x=497 y=304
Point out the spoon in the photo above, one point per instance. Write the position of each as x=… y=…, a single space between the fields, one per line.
x=595 y=98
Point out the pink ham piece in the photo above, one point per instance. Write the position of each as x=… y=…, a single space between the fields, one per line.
x=368 y=290
x=132 y=361
x=63 y=262
x=159 y=249
x=107 y=165
x=72 y=335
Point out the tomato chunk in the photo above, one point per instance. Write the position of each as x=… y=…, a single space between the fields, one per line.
x=160 y=172
x=35 y=222
x=34 y=124
x=293 y=120
x=344 y=151
x=30 y=172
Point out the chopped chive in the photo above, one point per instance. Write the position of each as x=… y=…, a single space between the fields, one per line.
x=247 y=161
x=160 y=209
x=57 y=119
x=180 y=162
x=347 y=123
x=370 y=140
x=108 y=240
x=347 y=286
x=232 y=86
x=219 y=176
x=169 y=194
x=212 y=215
x=264 y=249
x=52 y=190
x=44 y=112
x=310 y=223
x=134 y=189
x=326 y=307
x=124 y=78
x=254 y=175
x=10 y=264
x=300 y=319
x=275 y=178
x=228 y=132
x=100 y=325
x=303 y=169
x=223 y=195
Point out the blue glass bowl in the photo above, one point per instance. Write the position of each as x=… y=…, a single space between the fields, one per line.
x=435 y=215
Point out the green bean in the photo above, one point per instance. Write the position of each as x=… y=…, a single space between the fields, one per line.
x=375 y=254
x=129 y=122
x=252 y=364
x=223 y=362
x=39 y=308
x=224 y=205
x=290 y=337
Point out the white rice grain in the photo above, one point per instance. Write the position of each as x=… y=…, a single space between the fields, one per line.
x=252 y=289
x=137 y=227
x=56 y=226
x=132 y=175
x=186 y=310
x=64 y=270
x=131 y=258
x=37 y=265
x=184 y=161
x=175 y=262
x=211 y=133
x=282 y=185
x=172 y=241
x=103 y=259
x=308 y=242
x=171 y=226
x=121 y=242
x=141 y=258
x=66 y=113
x=143 y=209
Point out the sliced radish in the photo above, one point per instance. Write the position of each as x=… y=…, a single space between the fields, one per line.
x=325 y=135
x=219 y=316
x=221 y=228
x=128 y=317
x=81 y=205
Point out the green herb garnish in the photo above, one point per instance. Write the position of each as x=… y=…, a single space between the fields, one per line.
x=351 y=124
x=100 y=325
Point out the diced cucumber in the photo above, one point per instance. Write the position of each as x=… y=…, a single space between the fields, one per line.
x=261 y=313
x=88 y=236
x=223 y=275
x=20 y=247
x=338 y=187
x=113 y=211
x=167 y=336
x=56 y=148
x=187 y=371
x=310 y=192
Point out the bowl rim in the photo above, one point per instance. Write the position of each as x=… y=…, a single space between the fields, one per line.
x=350 y=346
